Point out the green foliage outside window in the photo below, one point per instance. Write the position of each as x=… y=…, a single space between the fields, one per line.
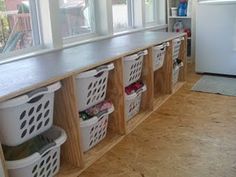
x=4 y=25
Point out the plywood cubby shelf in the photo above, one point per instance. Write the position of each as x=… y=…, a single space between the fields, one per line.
x=2 y=162
x=68 y=170
x=159 y=88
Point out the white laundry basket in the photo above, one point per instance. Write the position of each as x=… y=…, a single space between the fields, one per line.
x=92 y=86
x=176 y=47
x=26 y=116
x=43 y=163
x=133 y=65
x=133 y=102
x=176 y=70
x=94 y=130
x=159 y=53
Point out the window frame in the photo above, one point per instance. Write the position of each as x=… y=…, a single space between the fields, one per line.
x=51 y=39
x=73 y=38
x=130 y=18
x=155 y=14
x=36 y=33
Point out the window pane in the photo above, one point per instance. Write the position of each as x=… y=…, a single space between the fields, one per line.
x=121 y=15
x=16 y=29
x=149 y=11
x=76 y=17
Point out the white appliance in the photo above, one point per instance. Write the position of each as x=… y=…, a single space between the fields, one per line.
x=216 y=37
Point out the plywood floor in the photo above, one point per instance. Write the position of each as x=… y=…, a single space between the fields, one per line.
x=191 y=135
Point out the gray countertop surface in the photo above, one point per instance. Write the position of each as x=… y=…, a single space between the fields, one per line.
x=27 y=74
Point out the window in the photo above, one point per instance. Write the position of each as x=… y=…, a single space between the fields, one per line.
x=77 y=17
x=122 y=14
x=29 y=25
x=150 y=11
x=18 y=25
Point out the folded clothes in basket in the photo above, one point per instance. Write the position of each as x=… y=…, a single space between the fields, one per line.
x=133 y=87
x=24 y=150
x=94 y=110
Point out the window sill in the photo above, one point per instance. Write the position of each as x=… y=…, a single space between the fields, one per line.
x=40 y=50
x=22 y=54
x=153 y=27
x=128 y=31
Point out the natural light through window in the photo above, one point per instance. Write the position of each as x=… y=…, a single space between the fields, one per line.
x=149 y=11
x=121 y=11
x=16 y=29
x=76 y=17
x=36 y=26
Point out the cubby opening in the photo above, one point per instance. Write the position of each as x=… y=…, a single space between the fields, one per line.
x=147 y=96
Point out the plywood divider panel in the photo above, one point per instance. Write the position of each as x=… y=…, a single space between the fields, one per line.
x=115 y=93
x=2 y=162
x=148 y=79
x=169 y=69
x=183 y=57
x=163 y=76
x=159 y=81
x=66 y=117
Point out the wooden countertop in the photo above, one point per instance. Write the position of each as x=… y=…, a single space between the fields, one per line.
x=24 y=75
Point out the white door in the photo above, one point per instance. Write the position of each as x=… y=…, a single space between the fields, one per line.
x=216 y=38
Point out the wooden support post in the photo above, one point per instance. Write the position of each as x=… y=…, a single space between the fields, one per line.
x=163 y=76
x=169 y=68
x=183 y=57
x=2 y=164
x=115 y=93
x=148 y=79
x=66 y=117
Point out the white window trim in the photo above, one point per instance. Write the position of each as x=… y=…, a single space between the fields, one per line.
x=133 y=30
x=74 y=39
x=131 y=13
x=130 y=8
x=37 y=42
x=35 y=22
x=155 y=14
x=22 y=54
x=83 y=36
x=51 y=37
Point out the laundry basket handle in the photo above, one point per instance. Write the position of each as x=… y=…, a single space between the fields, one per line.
x=181 y=64
x=105 y=68
x=142 y=53
x=47 y=148
x=96 y=71
x=178 y=40
x=105 y=112
x=28 y=98
x=159 y=47
x=142 y=89
x=136 y=93
x=162 y=46
x=37 y=92
x=48 y=89
x=135 y=56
